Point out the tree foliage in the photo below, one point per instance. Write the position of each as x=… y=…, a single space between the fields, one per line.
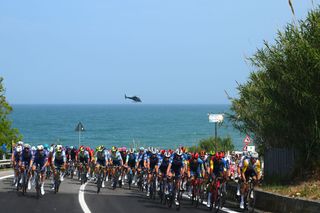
x=7 y=133
x=212 y=144
x=280 y=103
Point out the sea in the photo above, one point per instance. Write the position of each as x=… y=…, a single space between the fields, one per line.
x=131 y=125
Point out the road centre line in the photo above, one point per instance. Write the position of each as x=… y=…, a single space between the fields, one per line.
x=82 y=202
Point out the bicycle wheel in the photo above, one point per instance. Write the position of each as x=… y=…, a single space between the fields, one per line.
x=38 y=186
x=99 y=183
x=251 y=198
x=72 y=172
x=24 y=182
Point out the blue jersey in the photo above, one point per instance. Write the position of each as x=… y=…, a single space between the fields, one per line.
x=40 y=158
x=163 y=164
x=26 y=156
x=153 y=160
x=196 y=166
x=176 y=163
x=142 y=157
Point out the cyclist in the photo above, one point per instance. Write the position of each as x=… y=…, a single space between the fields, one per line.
x=40 y=158
x=16 y=157
x=115 y=160
x=195 y=170
x=249 y=167
x=163 y=167
x=176 y=168
x=131 y=161
x=152 y=166
x=26 y=157
x=101 y=158
x=82 y=156
x=123 y=153
x=216 y=170
x=59 y=161
x=141 y=162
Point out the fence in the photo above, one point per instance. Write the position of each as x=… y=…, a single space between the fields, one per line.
x=5 y=163
x=279 y=163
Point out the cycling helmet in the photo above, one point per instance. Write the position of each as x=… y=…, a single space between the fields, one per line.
x=196 y=155
x=81 y=148
x=39 y=147
x=178 y=152
x=162 y=151
x=19 y=148
x=167 y=154
x=71 y=147
x=27 y=146
x=59 y=148
x=33 y=148
x=46 y=146
x=141 y=148
x=19 y=143
x=99 y=148
x=124 y=149
x=113 y=149
x=217 y=156
x=154 y=151
x=131 y=150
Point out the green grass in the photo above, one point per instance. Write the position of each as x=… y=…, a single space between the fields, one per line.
x=308 y=189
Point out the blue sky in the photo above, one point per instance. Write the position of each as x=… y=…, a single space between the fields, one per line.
x=165 y=51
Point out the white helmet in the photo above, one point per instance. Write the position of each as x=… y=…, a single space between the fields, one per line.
x=19 y=148
x=33 y=148
x=39 y=147
x=179 y=152
x=167 y=154
x=20 y=143
x=27 y=146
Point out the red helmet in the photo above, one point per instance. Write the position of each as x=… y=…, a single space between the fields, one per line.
x=217 y=156
x=162 y=151
x=81 y=148
x=196 y=155
x=221 y=154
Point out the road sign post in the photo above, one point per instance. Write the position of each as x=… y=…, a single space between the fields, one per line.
x=79 y=129
x=246 y=141
x=215 y=118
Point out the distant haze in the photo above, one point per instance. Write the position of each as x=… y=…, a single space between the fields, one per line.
x=164 y=51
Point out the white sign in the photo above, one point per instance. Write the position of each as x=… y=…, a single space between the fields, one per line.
x=215 y=118
x=251 y=149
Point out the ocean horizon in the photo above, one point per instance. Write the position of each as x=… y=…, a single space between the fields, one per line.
x=158 y=125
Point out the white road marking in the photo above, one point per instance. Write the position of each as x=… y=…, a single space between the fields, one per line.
x=205 y=203
x=4 y=177
x=82 y=202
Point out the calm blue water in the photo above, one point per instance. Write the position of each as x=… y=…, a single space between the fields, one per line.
x=166 y=126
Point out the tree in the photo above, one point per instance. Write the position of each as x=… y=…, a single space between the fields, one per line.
x=280 y=103
x=7 y=133
x=212 y=144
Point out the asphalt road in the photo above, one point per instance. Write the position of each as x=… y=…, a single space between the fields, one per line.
x=72 y=197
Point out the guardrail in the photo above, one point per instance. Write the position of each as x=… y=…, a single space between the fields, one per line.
x=5 y=163
x=269 y=202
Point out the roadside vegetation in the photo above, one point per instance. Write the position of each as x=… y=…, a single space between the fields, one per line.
x=309 y=189
x=7 y=133
x=280 y=103
x=212 y=144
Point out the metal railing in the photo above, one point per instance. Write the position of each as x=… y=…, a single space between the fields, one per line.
x=5 y=163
